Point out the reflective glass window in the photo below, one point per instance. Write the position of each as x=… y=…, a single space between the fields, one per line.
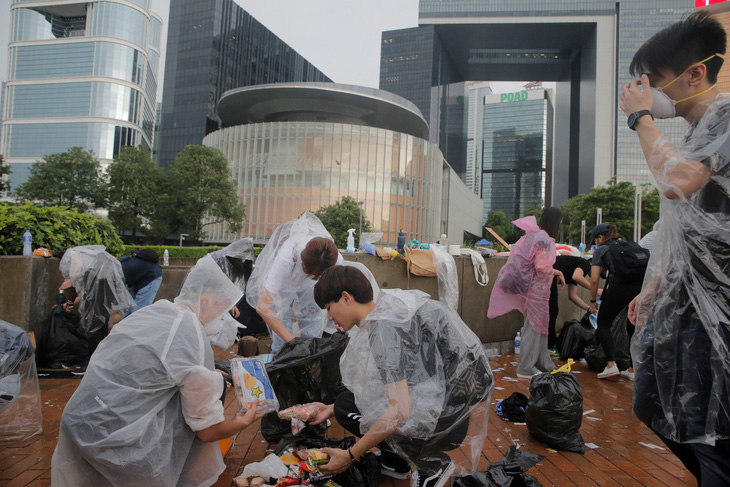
x=75 y=59
x=33 y=25
x=117 y=20
x=155 y=32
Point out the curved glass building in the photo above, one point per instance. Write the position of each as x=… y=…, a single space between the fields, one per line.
x=79 y=74
x=295 y=147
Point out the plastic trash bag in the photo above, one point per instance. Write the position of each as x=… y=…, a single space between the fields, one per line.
x=305 y=370
x=681 y=357
x=573 y=339
x=99 y=280
x=524 y=281
x=367 y=239
x=555 y=411
x=594 y=355
x=20 y=395
x=270 y=467
x=480 y=267
x=513 y=408
x=409 y=337
x=147 y=389
x=364 y=473
x=507 y=472
x=60 y=341
x=448 y=279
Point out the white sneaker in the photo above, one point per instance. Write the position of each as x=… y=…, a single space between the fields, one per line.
x=609 y=372
x=627 y=374
x=527 y=376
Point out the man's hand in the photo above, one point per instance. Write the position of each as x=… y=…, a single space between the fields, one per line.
x=68 y=307
x=339 y=461
x=325 y=412
x=633 y=309
x=235 y=313
x=634 y=99
x=247 y=418
x=593 y=309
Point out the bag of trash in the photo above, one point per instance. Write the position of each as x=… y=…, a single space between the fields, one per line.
x=305 y=370
x=555 y=410
x=20 y=395
x=513 y=408
x=594 y=355
x=573 y=339
x=363 y=473
x=60 y=341
x=507 y=472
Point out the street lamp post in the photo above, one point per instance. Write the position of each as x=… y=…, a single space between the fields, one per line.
x=359 y=235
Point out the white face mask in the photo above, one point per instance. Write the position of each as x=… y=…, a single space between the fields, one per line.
x=222 y=332
x=662 y=106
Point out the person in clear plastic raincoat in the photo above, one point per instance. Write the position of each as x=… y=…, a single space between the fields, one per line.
x=149 y=407
x=98 y=279
x=416 y=380
x=681 y=346
x=281 y=286
x=524 y=284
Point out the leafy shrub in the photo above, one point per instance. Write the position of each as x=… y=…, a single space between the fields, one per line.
x=55 y=228
x=189 y=252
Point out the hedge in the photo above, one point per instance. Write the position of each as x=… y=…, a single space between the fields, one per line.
x=55 y=228
x=174 y=251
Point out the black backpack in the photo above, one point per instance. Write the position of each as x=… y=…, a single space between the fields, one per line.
x=627 y=261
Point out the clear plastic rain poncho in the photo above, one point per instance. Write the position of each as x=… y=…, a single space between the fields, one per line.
x=681 y=356
x=20 y=395
x=279 y=274
x=446 y=274
x=524 y=281
x=148 y=388
x=99 y=280
x=435 y=369
x=231 y=258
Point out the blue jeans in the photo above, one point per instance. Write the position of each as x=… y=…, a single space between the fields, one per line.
x=146 y=295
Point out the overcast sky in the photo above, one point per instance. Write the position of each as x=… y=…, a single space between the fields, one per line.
x=341 y=38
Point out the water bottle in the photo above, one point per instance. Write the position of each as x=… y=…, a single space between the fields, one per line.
x=401 y=241
x=166 y=258
x=443 y=241
x=27 y=243
x=582 y=249
x=517 y=343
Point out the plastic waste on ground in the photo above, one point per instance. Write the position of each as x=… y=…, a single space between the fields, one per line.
x=573 y=339
x=452 y=388
x=27 y=243
x=554 y=413
x=20 y=395
x=507 y=472
x=158 y=360
x=99 y=281
x=524 y=281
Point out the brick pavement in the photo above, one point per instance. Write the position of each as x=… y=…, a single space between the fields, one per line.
x=620 y=459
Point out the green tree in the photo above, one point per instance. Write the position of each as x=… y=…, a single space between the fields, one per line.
x=339 y=217
x=4 y=170
x=497 y=221
x=70 y=178
x=198 y=191
x=617 y=203
x=134 y=180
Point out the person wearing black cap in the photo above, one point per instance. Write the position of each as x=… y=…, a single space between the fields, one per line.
x=616 y=296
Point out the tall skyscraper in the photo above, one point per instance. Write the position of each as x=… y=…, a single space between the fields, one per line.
x=79 y=74
x=476 y=91
x=585 y=46
x=214 y=46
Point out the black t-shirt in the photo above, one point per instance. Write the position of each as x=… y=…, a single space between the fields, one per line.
x=567 y=264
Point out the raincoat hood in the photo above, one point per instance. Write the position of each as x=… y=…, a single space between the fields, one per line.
x=207 y=292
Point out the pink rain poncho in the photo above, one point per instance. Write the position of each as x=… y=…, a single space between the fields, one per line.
x=524 y=281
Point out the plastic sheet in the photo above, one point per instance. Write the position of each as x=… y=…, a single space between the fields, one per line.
x=148 y=387
x=99 y=280
x=446 y=274
x=574 y=338
x=524 y=281
x=681 y=357
x=555 y=411
x=20 y=395
x=594 y=355
x=434 y=368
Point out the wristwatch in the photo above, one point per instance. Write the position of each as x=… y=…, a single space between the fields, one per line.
x=634 y=117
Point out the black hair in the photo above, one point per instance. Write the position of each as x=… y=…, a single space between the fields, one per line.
x=682 y=44
x=341 y=278
x=550 y=221
x=319 y=254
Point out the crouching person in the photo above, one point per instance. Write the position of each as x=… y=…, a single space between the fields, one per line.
x=416 y=381
x=149 y=407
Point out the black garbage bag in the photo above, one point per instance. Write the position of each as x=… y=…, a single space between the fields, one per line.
x=513 y=408
x=574 y=338
x=364 y=473
x=555 y=411
x=508 y=472
x=60 y=341
x=596 y=359
x=305 y=370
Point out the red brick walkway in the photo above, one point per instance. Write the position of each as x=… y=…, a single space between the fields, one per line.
x=620 y=458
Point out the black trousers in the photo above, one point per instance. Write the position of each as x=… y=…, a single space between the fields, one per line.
x=553 y=306
x=709 y=464
x=614 y=299
x=427 y=453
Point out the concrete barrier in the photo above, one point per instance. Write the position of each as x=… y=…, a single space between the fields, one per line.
x=28 y=286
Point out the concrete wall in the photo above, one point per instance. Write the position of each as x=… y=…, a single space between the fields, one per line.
x=28 y=286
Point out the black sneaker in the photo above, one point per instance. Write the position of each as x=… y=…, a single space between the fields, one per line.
x=80 y=370
x=395 y=472
x=437 y=479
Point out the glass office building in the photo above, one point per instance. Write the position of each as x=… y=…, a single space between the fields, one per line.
x=583 y=45
x=516 y=147
x=214 y=46
x=79 y=75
